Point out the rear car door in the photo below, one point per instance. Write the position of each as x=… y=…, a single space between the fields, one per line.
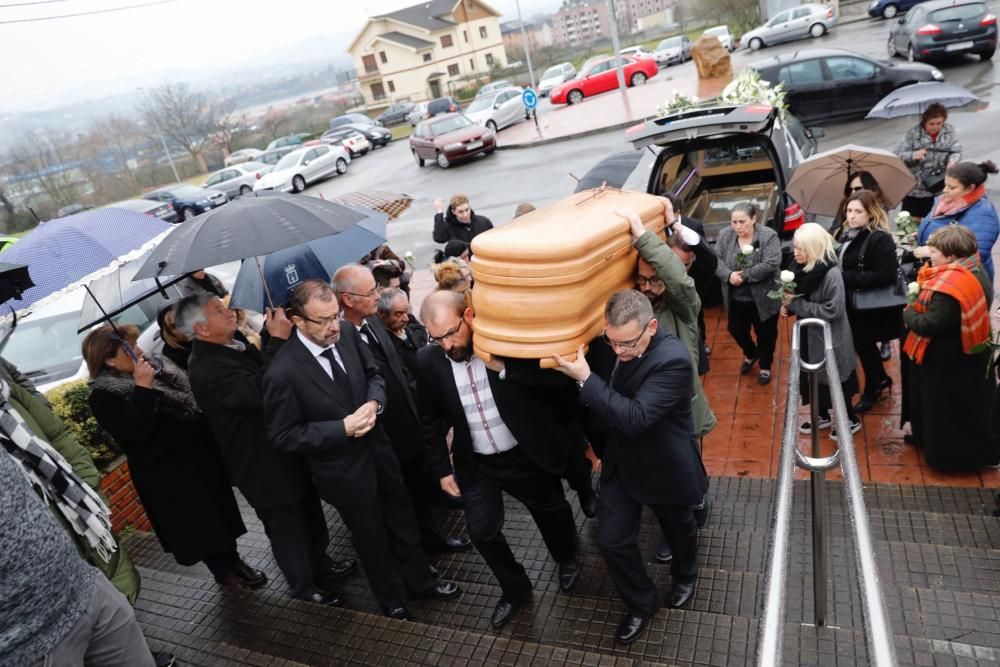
x=799 y=26
x=856 y=85
x=778 y=28
x=807 y=91
x=914 y=19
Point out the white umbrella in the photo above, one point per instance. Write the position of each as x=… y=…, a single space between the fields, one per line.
x=818 y=183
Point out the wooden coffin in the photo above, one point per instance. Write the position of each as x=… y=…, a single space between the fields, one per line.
x=541 y=281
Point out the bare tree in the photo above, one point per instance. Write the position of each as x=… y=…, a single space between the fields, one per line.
x=49 y=165
x=741 y=15
x=273 y=122
x=185 y=117
x=223 y=115
x=112 y=144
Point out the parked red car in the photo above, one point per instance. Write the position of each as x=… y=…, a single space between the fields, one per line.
x=601 y=76
x=450 y=138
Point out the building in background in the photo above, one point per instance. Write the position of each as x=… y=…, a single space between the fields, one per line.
x=637 y=15
x=538 y=35
x=581 y=24
x=417 y=53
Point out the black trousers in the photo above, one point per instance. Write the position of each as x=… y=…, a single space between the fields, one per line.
x=578 y=471
x=540 y=491
x=871 y=364
x=386 y=537
x=742 y=316
x=423 y=488
x=223 y=563
x=618 y=518
x=299 y=538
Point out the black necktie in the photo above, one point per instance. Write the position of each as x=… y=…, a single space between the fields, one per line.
x=367 y=330
x=339 y=376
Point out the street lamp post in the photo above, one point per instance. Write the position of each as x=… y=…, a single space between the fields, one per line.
x=524 y=41
x=163 y=141
x=616 y=46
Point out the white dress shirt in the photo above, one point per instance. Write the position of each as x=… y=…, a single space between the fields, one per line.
x=318 y=351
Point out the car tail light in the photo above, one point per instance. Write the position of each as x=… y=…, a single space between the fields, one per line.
x=989 y=19
x=257 y=175
x=829 y=13
x=451 y=108
x=795 y=217
x=929 y=30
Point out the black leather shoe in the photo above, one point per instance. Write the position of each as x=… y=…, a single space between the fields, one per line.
x=250 y=577
x=701 y=512
x=747 y=365
x=503 y=612
x=885 y=351
x=630 y=628
x=588 y=503
x=865 y=404
x=909 y=439
x=663 y=554
x=568 y=573
x=435 y=573
x=325 y=599
x=340 y=568
x=164 y=659
x=441 y=590
x=681 y=594
x=450 y=544
x=398 y=613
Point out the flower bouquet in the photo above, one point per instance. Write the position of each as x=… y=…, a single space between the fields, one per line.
x=912 y=290
x=743 y=258
x=906 y=229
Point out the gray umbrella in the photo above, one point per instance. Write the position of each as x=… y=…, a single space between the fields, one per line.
x=913 y=99
x=247 y=227
x=613 y=170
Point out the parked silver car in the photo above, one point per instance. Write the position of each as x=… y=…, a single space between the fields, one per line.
x=555 y=76
x=418 y=114
x=791 y=24
x=673 y=50
x=498 y=110
x=239 y=179
x=304 y=166
x=725 y=37
x=493 y=86
x=158 y=209
x=243 y=155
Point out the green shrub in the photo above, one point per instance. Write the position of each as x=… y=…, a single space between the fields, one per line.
x=69 y=402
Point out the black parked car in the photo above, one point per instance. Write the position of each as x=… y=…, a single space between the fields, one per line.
x=376 y=136
x=945 y=28
x=828 y=84
x=395 y=114
x=716 y=157
x=349 y=118
x=441 y=105
x=188 y=200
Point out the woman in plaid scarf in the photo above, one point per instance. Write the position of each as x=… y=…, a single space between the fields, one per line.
x=947 y=390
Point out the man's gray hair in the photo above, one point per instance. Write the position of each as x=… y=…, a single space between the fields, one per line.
x=627 y=305
x=386 y=298
x=344 y=279
x=191 y=311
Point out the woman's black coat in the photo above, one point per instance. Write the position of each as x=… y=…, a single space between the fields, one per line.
x=878 y=269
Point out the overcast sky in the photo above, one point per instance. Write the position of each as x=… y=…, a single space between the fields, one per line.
x=50 y=62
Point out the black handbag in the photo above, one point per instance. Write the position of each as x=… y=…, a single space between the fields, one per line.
x=933 y=183
x=892 y=295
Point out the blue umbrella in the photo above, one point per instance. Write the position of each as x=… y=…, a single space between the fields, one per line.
x=284 y=270
x=61 y=252
x=913 y=99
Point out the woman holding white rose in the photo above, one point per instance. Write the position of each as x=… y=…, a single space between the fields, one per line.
x=819 y=293
x=749 y=259
x=867 y=258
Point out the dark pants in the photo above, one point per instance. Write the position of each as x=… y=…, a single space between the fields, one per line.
x=618 y=518
x=578 y=471
x=423 y=488
x=742 y=316
x=871 y=364
x=299 y=539
x=223 y=563
x=848 y=387
x=540 y=491
x=385 y=533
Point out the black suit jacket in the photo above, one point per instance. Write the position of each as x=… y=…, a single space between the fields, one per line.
x=400 y=418
x=641 y=425
x=306 y=411
x=227 y=386
x=525 y=410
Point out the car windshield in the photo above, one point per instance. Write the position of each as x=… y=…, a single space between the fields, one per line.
x=958 y=13
x=552 y=72
x=288 y=161
x=449 y=125
x=270 y=158
x=671 y=43
x=480 y=104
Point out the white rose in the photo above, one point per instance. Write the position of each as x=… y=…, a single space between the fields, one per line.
x=787 y=276
x=903 y=214
x=747 y=250
x=913 y=289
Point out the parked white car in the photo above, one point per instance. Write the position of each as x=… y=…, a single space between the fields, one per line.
x=555 y=76
x=493 y=86
x=239 y=179
x=636 y=52
x=352 y=140
x=795 y=23
x=498 y=110
x=721 y=32
x=304 y=166
x=418 y=114
x=243 y=155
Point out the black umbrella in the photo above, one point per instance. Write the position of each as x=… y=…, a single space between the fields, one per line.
x=612 y=171
x=14 y=279
x=247 y=227
x=114 y=293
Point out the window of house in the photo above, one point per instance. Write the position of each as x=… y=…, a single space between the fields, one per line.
x=472 y=65
x=369 y=62
x=392 y=86
x=465 y=34
x=378 y=91
x=446 y=41
x=452 y=70
x=427 y=57
x=489 y=60
x=381 y=56
x=482 y=31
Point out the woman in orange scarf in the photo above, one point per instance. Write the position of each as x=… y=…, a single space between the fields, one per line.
x=947 y=391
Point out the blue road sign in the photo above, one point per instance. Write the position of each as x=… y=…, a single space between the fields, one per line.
x=529 y=98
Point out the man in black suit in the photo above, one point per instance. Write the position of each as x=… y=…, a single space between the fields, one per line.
x=407 y=334
x=638 y=400
x=505 y=438
x=324 y=398
x=356 y=290
x=226 y=373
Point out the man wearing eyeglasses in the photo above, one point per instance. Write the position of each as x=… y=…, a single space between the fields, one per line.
x=324 y=396
x=636 y=385
x=357 y=292
x=506 y=438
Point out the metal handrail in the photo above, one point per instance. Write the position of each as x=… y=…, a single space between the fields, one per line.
x=881 y=648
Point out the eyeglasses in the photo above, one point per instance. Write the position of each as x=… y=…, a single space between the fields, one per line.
x=435 y=340
x=642 y=281
x=367 y=295
x=627 y=346
x=323 y=321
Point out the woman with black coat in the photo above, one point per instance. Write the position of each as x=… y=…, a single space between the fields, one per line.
x=175 y=465
x=867 y=258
